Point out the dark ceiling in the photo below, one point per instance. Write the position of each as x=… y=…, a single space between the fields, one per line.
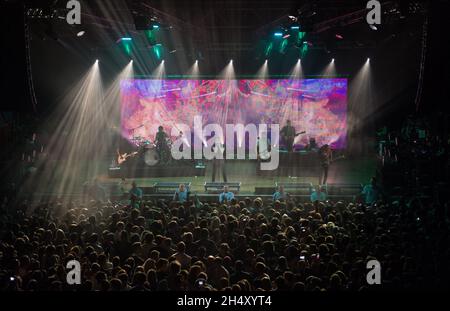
x=224 y=25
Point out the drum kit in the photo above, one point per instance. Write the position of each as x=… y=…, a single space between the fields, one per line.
x=151 y=154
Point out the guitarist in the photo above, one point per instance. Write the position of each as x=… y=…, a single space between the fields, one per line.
x=288 y=134
x=325 y=157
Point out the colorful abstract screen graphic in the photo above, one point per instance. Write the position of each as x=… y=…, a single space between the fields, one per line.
x=316 y=106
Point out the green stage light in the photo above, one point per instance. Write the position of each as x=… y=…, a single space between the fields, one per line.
x=126 y=44
x=304 y=49
x=151 y=36
x=283 y=46
x=268 y=49
x=302 y=43
x=158 y=51
x=127 y=48
x=300 y=36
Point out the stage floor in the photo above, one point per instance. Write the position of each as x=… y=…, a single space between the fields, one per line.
x=350 y=170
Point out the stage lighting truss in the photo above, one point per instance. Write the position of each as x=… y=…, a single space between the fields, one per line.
x=306 y=16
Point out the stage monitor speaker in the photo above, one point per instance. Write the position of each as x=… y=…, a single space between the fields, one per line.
x=303 y=188
x=217 y=187
x=344 y=189
x=148 y=190
x=169 y=187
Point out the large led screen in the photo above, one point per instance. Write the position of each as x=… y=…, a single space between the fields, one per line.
x=316 y=106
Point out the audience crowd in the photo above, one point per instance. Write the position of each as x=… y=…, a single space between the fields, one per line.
x=241 y=245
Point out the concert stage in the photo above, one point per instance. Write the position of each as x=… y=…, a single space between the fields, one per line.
x=349 y=171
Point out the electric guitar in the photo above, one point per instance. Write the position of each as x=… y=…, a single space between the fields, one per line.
x=121 y=158
x=337 y=158
x=326 y=161
x=285 y=137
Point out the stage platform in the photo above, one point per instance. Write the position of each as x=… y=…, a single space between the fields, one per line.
x=54 y=183
x=348 y=171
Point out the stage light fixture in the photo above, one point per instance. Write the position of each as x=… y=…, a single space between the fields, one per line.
x=373 y=27
x=295 y=27
x=332 y=60
x=158 y=51
x=268 y=49
x=283 y=46
x=126 y=44
x=278 y=34
x=81 y=33
x=339 y=36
